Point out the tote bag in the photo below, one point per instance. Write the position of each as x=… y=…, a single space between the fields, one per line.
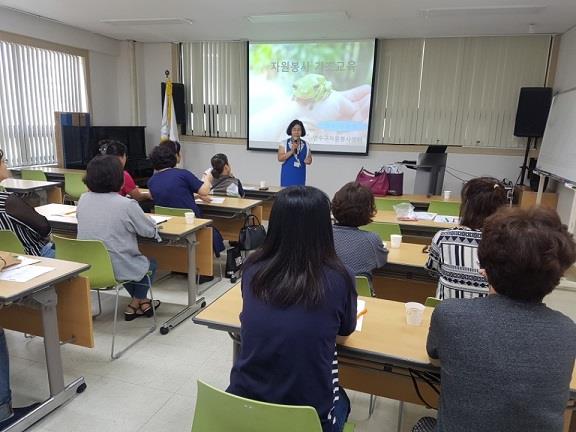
x=377 y=181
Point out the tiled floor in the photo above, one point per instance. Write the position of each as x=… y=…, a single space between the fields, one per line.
x=153 y=386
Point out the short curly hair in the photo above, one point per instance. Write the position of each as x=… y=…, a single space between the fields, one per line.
x=353 y=205
x=104 y=174
x=525 y=252
x=162 y=157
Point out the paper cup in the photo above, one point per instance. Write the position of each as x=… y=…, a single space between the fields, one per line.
x=262 y=184
x=414 y=313
x=190 y=216
x=447 y=194
x=395 y=241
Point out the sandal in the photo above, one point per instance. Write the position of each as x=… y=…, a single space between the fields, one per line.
x=129 y=316
x=146 y=307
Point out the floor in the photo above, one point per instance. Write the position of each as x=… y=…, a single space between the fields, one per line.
x=153 y=386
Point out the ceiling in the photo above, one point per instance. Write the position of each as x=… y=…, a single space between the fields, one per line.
x=227 y=20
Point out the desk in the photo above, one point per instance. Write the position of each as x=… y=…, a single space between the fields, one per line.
x=53 y=191
x=169 y=256
x=417 y=231
x=375 y=360
x=228 y=217
x=422 y=200
x=267 y=196
x=53 y=173
x=42 y=296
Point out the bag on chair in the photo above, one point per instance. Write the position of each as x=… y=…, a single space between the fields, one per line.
x=377 y=181
x=252 y=234
x=233 y=263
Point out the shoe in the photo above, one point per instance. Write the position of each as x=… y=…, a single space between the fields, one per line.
x=203 y=279
x=17 y=415
x=147 y=311
x=129 y=316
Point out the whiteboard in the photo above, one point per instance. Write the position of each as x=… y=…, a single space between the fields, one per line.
x=558 y=150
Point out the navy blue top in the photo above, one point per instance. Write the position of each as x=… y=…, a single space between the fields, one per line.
x=175 y=188
x=287 y=355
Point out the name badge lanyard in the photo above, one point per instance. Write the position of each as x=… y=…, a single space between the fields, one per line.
x=297 y=162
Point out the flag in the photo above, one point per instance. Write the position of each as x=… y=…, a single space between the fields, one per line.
x=169 y=128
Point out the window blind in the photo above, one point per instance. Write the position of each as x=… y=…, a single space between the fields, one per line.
x=34 y=83
x=215 y=77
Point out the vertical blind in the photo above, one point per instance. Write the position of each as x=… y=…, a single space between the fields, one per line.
x=455 y=91
x=215 y=77
x=34 y=83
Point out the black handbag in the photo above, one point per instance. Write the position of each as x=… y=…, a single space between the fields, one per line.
x=252 y=234
x=233 y=263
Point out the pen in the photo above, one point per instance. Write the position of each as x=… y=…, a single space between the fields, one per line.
x=362 y=312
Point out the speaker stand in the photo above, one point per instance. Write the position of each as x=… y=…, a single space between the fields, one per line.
x=525 y=164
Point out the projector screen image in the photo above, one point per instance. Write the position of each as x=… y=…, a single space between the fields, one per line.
x=327 y=85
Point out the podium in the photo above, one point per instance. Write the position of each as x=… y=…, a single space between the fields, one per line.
x=430 y=170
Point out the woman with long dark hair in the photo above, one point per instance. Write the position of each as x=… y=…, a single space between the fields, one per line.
x=297 y=297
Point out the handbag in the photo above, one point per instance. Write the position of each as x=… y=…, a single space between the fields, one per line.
x=252 y=234
x=376 y=181
x=233 y=263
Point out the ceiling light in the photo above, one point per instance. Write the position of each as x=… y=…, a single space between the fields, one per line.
x=483 y=10
x=146 y=21
x=298 y=17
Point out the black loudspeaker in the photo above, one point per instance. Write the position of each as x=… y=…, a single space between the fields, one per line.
x=179 y=98
x=533 y=106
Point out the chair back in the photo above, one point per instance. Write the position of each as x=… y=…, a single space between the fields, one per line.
x=383 y=229
x=432 y=302
x=363 y=286
x=387 y=204
x=93 y=252
x=9 y=242
x=170 y=211
x=444 y=208
x=218 y=411
x=74 y=186
x=29 y=174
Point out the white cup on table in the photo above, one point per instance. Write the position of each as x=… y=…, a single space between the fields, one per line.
x=190 y=216
x=447 y=194
x=395 y=241
x=414 y=313
x=262 y=184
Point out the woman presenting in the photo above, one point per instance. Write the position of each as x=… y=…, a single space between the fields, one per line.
x=294 y=155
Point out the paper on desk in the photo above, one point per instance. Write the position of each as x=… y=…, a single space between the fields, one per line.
x=425 y=215
x=24 y=261
x=24 y=274
x=249 y=187
x=447 y=219
x=360 y=306
x=159 y=218
x=213 y=200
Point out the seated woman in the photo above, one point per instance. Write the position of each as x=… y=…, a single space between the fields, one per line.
x=31 y=228
x=223 y=182
x=297 y=297
x=103 y=214
x=507 y=359
x=118 y=149
x=361 y=251
x=453 y=252
x=175 y=187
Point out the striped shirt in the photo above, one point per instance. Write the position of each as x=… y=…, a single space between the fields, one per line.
x=454 y=257
x=31 y=228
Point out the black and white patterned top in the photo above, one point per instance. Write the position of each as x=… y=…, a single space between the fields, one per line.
x=360 y=251
x=454 y=257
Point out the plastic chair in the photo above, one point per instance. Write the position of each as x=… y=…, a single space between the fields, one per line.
x=432 y=302
x=444 y=208
x=28 y=174
x=218 y=411
x=387 y=204
x=74 y=186
x=171 y=211
x=364 y=286
x=9 y=242
x=101 y=277
x=383 y=229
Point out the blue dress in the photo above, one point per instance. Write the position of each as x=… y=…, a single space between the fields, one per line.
x=294 y=169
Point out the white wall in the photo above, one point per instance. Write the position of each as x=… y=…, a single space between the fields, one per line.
x=330 y=172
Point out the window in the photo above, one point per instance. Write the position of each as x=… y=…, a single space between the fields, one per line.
x=34 y=83
x=455 y=91
x=214 y=77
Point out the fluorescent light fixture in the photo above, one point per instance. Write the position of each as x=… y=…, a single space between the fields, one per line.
x=298 y=17
x=484 y=10
x=146 y=21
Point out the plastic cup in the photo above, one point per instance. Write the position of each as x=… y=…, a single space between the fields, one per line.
x=447 y=194
x=190 y=216
x=414 y=313
x=262 y=184
x=395 y=241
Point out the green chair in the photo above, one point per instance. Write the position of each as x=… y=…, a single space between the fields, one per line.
x=383 y=229
x=218 y=411
x=170 y=211
x=29 y=174
x=444 y=208
x=432 y=302
x=387 y=204
x=73 y=186
x=101 y=277
x=364 y=286
x=9 y=242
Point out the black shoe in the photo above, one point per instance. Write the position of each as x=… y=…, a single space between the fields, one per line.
x=203 y=279
x=18 y=414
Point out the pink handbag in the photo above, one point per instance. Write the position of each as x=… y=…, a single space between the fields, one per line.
x=377 y=181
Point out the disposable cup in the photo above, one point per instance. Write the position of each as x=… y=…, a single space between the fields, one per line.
x=262 y=184
x=447 y=194
x=190 y=216
x=395 y=241
x=414 y=313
